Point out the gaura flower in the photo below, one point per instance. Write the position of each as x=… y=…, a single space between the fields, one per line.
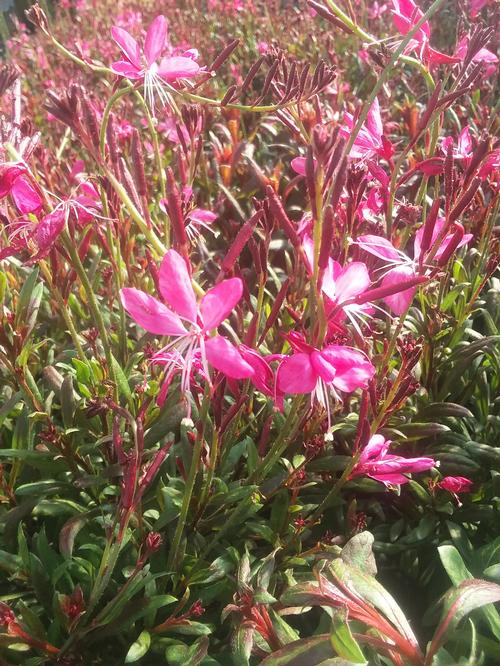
x=403 y=267
x=141 y=64
x=455 y=484
x=322 y=371
x=370 y=140
x=463 y=148
x=406 y=14
x=389 y=469
x=341 y=284
x=187 y=321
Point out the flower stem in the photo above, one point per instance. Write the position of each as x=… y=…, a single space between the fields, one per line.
x=188 y=490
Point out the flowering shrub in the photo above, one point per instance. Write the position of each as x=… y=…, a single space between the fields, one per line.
x=249 y=342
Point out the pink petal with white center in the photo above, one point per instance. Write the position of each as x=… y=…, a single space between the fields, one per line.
x=175 y=286
x=26 y=198
x=226 y=358
x=219 y=302
x=353 y=280
x=378 y=246
x=171 y=69
x=128 y=45
x=353 y=368
x=155 y=39
x=296 y=374
x=124 y=68
x=401 y=301
x=150 y=313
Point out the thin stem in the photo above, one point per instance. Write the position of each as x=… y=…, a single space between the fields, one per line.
x=63 y=309
x=188 y=490
x=281 y=442
x=93 y=304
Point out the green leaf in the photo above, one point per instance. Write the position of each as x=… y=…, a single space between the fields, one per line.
x=343 y=641
x=67 y=401
x=197 y=652
x=459 y=602
x=493 y=572
x=358 y=552
x=305 y=652
x=139 y=648
x=121 y=380
x=29 y=301
x=188 y=628
x=454 y=564
x=369 y=589
x=458 y=573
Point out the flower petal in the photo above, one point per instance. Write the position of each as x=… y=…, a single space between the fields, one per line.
x=378 y=246
x=47 y=231
x=155 y=39
x=226 y=358
x=219 y=301
x=353 y=368
x=353 y=280
x=171 y=69
x=322 y=367
x=150 y=313
x=377 y=447
x=127 y=44
x=296 y=374
x=125 y=68
x=399 y=302
x=175 y=286
x=25 y=196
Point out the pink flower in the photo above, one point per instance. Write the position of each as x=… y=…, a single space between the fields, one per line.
x=389 y=469
x=25 y=197
x=463 y=150
x=320 y=372
x=455 y=484
x=37 y=236
x=142 y=64
x=340 y=284
x=404 y=268
x=406 y=14
x=199 y=219
x=187 y=321
x=370 y=140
